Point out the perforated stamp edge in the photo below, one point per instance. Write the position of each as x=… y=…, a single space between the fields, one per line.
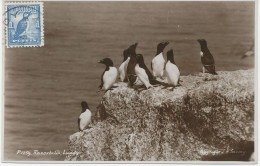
x=42 y=23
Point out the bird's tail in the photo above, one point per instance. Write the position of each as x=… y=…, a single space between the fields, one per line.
x=214 y=73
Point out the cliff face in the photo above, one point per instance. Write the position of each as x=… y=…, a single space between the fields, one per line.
x=207 y=118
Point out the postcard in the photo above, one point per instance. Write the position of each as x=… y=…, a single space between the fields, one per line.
x=129 y=82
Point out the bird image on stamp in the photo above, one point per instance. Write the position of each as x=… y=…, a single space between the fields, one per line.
x=24 y=24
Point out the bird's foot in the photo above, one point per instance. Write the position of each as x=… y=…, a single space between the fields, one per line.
x=178 y=85
x=112 y=88
x=159 y=79
x=156 y=85
x=149 y=87
x=164 y=87
x=141 y=88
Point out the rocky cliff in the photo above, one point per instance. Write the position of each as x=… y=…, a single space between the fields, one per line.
x=209 y=117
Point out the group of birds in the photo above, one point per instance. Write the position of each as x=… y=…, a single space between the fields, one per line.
x=134 y=71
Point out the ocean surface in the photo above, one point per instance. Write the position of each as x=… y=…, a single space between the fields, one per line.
x=45 y=86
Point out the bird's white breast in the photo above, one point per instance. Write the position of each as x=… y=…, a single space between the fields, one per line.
x=158 y=65
x=123 y=68
x=28 y=25
x=85 y=119
x=109 y=78
x=201 y=53
x=172 y=73
x=141 y=74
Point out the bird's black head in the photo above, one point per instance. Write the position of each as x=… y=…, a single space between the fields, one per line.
x=203 y=43
x=170 y=56
x=139 y=59
x=132 y=49
x=84 y=106
x=126 y=54
x=161 y=46
x=106 y=61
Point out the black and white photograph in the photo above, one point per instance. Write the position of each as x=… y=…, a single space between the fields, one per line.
x=129 y=82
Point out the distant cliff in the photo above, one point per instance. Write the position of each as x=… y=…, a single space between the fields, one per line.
x=207 y=118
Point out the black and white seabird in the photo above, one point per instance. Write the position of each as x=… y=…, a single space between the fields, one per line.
x=207 y=59
x=109 y=76
x=131 y=76
x=85 y=116
x=158 y=62
x=141 y=72
x=123 y=66
x=171 y=69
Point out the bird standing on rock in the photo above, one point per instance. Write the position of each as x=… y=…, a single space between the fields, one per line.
x=207 y=59
x=143 y=73
x=171 y=69
x=85 y=116
x=158 y=62
x=131 y=76
x=109 y=76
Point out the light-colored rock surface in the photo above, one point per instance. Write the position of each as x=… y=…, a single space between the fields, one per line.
x=207 y=118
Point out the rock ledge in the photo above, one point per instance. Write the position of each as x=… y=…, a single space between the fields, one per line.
x=207 y=118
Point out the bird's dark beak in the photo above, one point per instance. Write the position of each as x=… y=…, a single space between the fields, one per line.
x=100 y=61
x=136 y=45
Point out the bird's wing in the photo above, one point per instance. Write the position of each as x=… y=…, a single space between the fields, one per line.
x=79 y=124
x=207 y=58
x=101 y=85
x=21 y=27
x=208 y=62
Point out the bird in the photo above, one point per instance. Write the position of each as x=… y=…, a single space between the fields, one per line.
x=158 y=62
x=171 y=70
x=207 y=59
x=85 y=116
x=123 y=66
x=143 y=73
x=109 y=76
x=131 y=76
x=22 y=26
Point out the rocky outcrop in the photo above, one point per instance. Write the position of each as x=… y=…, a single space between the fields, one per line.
x=209 y=117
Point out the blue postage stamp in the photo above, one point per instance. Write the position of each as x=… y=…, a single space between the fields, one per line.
x=24 y=24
